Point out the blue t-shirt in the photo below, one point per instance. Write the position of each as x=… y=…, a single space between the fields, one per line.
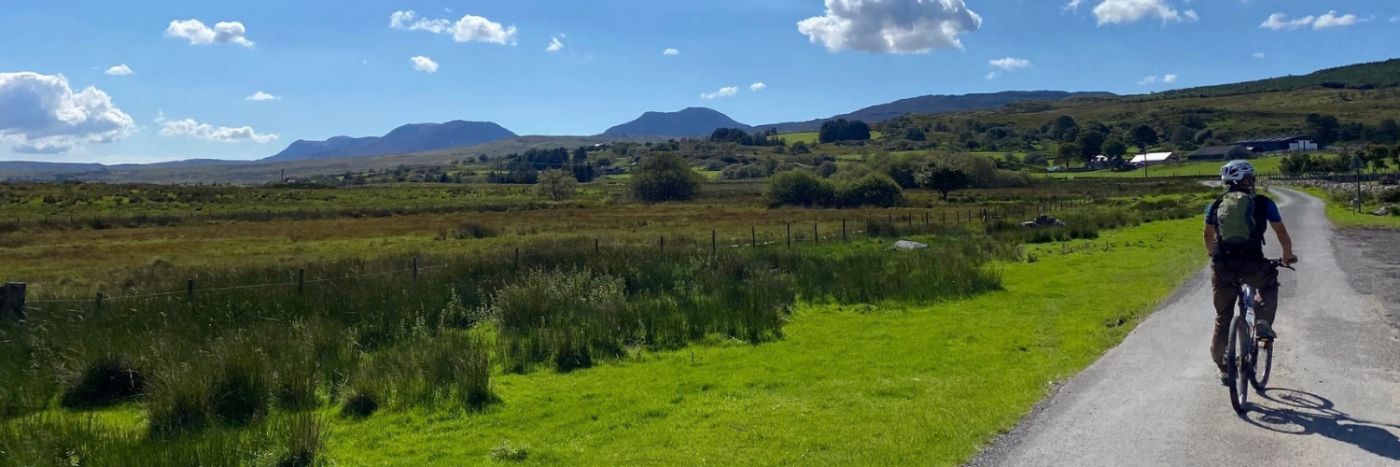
x=1272 y=210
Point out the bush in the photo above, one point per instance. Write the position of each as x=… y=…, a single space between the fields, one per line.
x=304 y=444
x=178 y=403
x=872 y=190
x=359 y=404
x=665 y=177
x=561 y=316
x=556 y=185
x=799 y=189
x=109 y=380
x=240 y=392
x=472 y=230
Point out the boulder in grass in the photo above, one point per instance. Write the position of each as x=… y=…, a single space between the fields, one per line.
x=1383 y=211
x=908 y=245
x=1043 y=221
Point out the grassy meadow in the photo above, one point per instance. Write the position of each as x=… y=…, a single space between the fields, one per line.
x=1341 y=213
x=594 y=331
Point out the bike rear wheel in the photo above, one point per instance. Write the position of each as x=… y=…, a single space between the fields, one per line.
x=1237 y=365
x=1263 y=364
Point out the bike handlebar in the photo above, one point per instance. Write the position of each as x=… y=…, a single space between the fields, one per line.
x=1279 y=263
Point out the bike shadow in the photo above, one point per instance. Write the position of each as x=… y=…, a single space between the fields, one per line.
x=1305 y=413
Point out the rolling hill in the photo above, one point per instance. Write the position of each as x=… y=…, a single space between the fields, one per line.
x=934 y=105
x=1361 y=76
x=694 y=121
x=405 y=139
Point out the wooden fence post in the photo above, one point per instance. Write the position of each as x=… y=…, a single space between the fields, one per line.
x=301 y=281
x=189 y=289
x=843 y=231
x=714 y=243
x=753 y=236
x=517 y=258
x=789 y=234
x=12 y=300
x=415 y=269
x=98 y=302
x=815 y=239
x=596 y=248
x=661 y=244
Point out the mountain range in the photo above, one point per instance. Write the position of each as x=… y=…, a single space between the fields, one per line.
x=934 y=105
x=428 y=144
x=402 y=140
x=693 y=121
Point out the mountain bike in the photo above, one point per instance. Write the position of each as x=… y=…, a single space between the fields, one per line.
x=1248 y=358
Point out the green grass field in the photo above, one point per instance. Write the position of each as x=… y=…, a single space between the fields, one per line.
x=848 y=385
x=871 y=384
x=1345 y=217
x=1184 y=169
x=810 y=137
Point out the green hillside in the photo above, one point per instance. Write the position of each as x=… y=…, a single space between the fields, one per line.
x=1360 y=76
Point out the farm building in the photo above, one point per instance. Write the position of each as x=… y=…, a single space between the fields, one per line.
x=1215 y=153
x=1152 y=158
x=1278 y=144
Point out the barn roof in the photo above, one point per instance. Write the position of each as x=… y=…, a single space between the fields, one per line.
x=1217 y=150
x=1151 y=157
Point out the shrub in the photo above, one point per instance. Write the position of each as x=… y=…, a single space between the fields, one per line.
x=800 y=189
x=472 y=230
x=106 y=381
x=665 y=177
x=827 y=169
x=240 y=391
x=304 y=442
x=359 y=404
x=871 y=190
x=506 y=453
x=562 y=316
x=556 y=185
x=178 y=403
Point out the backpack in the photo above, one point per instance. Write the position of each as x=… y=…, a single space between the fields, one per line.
x=1239 y=225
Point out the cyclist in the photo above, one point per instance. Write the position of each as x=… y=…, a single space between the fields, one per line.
x=1234 y=237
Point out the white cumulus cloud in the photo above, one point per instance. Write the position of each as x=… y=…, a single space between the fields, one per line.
x=120 y=70
x=1169 y=78
x=223 y=32
x=1011 y=63
x=671 y=52
x=190 y=128
x=758 y=86
x=1282 y=22
x=424 y=64
x=1332 y=20
x=262 y=97
x=42 y=114
x=891 y=26
x=555 y=44
x=727 y=91
x=469 y=28
x=1132 y=11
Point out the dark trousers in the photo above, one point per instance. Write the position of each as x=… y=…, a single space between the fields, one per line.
x=1227 y=276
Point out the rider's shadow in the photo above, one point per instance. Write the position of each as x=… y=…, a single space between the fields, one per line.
x=1305 y=413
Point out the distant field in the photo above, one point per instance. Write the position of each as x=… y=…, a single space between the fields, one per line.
x=811 y=137
x=1185 y=169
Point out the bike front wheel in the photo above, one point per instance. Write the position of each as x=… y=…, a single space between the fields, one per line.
x=1263 y=364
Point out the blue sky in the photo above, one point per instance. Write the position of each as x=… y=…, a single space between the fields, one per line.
x=339 y=67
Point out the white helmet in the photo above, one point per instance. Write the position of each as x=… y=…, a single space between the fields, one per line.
x=1236 y=171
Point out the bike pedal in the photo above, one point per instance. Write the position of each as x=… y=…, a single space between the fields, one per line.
x=1265 y=343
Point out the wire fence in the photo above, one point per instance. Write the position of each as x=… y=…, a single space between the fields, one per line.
x=789 y=234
